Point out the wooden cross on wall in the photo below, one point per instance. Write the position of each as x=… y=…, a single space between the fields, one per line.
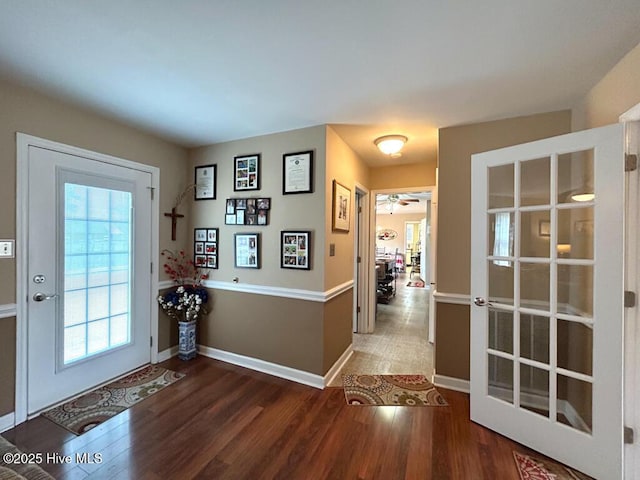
x=174 y=221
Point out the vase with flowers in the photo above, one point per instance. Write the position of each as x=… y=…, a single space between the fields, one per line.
x=187 y=301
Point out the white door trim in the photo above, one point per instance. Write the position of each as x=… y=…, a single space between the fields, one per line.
x=371 y=316
x=361 y=243
x=23 y=141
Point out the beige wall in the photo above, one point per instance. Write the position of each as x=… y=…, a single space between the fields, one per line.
x=396 y=222
x=400 y=176
x=298 y=211
x=348 y=169
x=23 y=110
x=304 y=335
x=456 y=145
x=617 y=92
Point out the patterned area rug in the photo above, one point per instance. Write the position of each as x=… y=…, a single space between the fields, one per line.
x=537 y=468
x=396 y=390
x=91 y=409
x=417 y=283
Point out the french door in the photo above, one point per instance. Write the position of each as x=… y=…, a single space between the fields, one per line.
x=89 y=282
x=547 y=279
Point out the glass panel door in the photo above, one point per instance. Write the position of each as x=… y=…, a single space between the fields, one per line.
x=547 y=247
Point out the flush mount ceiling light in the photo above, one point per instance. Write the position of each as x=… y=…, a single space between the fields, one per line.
x=583 y=197
x=391 y=144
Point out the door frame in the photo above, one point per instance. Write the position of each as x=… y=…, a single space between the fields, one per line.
x=23 y=142
x=371 y=314
x=360 y=275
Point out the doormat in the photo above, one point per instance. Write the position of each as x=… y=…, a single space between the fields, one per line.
x=417 y=283
x=91 y=409
x=396 y=390
x=533 y=467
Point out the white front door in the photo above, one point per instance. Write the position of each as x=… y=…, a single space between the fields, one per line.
x=547 y=280
x=89 y=282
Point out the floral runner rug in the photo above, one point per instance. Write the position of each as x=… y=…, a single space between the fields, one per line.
x=533 y=467
x=91 y=409
x=396 y=390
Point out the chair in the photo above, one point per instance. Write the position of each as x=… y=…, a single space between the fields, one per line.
x=415 y=265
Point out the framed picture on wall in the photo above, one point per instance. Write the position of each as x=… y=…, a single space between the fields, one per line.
x=341 y=207
x=205 y=181
x=205 y=247
x=247 y=250
x=295 y=249
x=246 y=172
x=297 y=173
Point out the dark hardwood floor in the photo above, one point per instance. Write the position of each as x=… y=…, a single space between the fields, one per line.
x=226 y=422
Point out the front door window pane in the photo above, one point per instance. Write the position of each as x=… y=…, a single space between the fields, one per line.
x=97 y=276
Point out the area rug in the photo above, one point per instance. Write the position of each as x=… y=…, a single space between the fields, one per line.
x=91 y=409
x=532 y=467
x=396 y=390
x=417 y=283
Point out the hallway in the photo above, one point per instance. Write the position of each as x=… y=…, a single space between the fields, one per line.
x=399 y=343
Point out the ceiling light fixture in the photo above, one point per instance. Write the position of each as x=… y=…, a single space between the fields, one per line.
x=391 y=144
x=583 y=197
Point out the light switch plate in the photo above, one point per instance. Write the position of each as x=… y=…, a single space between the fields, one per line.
x=7 y=249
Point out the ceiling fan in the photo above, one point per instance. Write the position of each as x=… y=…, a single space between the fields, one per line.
x=397 y=198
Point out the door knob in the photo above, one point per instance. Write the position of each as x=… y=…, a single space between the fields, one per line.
x=39 y=296
x=481 y=302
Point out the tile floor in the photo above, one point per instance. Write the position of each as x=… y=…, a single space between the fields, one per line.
x=399 y=343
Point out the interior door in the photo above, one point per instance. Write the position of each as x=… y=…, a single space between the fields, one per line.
x=547 y=280
x=88 y=274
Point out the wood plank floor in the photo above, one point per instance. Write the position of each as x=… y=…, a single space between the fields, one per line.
x=226 y=422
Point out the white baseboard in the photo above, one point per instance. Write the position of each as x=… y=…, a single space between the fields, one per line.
x=258 y=365
x=335 y=369
x=457 y=384
x=167 y=354
x=7 y=422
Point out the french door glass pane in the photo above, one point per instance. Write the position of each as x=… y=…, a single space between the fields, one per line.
x=534 y=285
x=535 y=183
x=501 y=186
x=575 y=230
x=575 y=290
x=575 y=346
x=97 y=276
x=501 y=282
x=501 y=378
x=534 y=389
x=535 y=233
x=575 y=176
x=534 y=337
x=574 y=403
x=501 y=330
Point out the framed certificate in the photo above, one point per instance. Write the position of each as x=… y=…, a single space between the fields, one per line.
x=297 y=173
x=205 y=182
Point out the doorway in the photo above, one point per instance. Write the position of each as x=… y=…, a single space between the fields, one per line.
x=85 y=271
x=395 y=334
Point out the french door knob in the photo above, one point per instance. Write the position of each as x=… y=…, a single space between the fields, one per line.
x=481 y=302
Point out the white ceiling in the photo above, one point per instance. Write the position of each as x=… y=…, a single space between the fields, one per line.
x=201 y=72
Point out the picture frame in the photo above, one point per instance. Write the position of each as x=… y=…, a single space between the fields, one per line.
x=297 y=173
x=544 y=228
x=200 y=235
x=205 y=182
x=295 y=249
x=247 y=250
x=205 y=247
x=246 y=172
x=341 y=208
x=247 y=211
